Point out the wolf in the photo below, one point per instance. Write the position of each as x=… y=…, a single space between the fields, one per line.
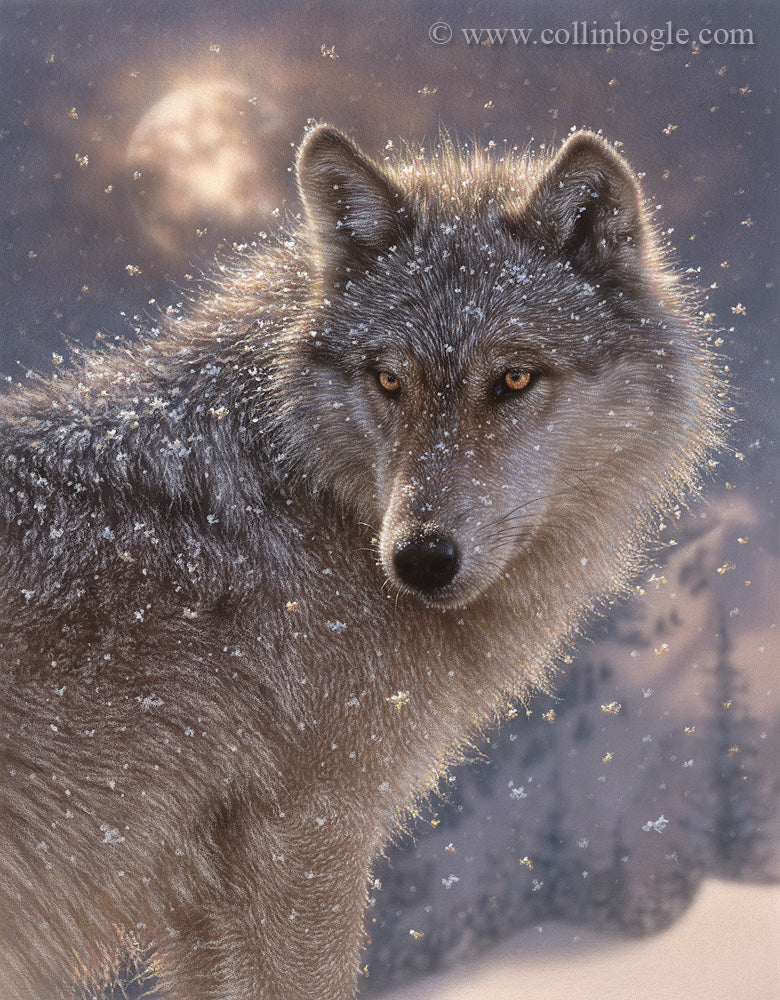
x=266 y=570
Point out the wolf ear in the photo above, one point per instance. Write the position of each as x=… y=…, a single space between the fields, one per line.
x=587 y=208
x=353 y=210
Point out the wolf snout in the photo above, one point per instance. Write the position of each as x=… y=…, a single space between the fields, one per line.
x=426 y=563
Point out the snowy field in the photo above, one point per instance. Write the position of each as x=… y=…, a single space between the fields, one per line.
x=724 y=948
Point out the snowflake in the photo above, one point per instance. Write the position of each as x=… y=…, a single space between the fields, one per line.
x=111 y=834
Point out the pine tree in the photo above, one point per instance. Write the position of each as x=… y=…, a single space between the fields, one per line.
x=740 y=803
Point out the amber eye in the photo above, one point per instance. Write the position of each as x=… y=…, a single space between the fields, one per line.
x=517 y=379
x=389 y=382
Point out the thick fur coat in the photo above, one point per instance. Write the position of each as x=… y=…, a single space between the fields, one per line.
x=264 y=571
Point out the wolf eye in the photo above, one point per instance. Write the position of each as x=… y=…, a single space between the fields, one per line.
x=389 y=382
x=517 y=379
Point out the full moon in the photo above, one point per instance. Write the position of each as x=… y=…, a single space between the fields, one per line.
x=199 y=161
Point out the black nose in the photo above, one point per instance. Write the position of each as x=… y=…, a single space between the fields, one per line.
x=426 y=563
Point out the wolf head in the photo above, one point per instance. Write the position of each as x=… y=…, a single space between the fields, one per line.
x=500 y=374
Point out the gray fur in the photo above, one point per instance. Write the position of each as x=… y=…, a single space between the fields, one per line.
x=219 y=694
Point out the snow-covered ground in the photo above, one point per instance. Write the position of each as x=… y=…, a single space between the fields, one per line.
x=724 y=948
